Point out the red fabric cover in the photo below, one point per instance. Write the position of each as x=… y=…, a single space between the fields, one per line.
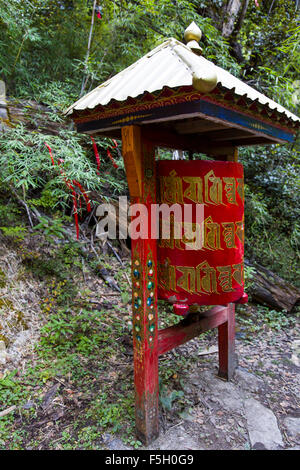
x=212 y=275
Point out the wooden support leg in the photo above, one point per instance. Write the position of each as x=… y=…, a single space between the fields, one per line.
x=227 y=357
x=139 y=160
x=145 y=340
x=226 y=339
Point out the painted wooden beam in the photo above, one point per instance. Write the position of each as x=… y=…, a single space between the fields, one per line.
x=169 y=139
x=198 y=125
x=190 y=327
x=205 y=109
x=228 y=134
x=132 y=154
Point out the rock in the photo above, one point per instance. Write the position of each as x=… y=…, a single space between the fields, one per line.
x=295 y=357
x=20 y=345
x=3 y=107
x=248 y=381
x=28 y=405
x=262 y=426
x=292 y=426
x=113 y=443
x=219 y=391
x=175 y=438
x=3 y=353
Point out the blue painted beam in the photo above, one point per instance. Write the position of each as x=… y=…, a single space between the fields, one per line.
x=211 y=110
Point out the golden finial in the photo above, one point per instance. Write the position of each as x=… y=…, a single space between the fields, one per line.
x=192 y=33
x=192 y=36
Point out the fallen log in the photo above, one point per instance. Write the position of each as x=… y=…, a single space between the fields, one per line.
x=267 y=288
x=34 y=116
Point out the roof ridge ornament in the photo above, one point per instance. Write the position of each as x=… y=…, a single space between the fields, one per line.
x=192 y=36
x=204 y=76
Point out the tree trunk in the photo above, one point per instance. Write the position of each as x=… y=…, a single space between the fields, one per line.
x=271 y=290
x=231 y=15
x=233 y=18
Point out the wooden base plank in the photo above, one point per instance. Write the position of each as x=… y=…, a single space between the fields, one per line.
x=193 y=325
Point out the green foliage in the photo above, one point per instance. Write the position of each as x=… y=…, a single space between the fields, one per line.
x=258 y=320
x=48 y=199
x=272 y=208
x=167 y=398
x=6 y=382
x=68 y=330
x=106 y=414
x=270 y=41
x=51 y=228
x=25 y=164
x=10 y=213
x=16 y=233
x=249 y=276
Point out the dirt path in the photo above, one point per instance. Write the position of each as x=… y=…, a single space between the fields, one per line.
x=259 y=409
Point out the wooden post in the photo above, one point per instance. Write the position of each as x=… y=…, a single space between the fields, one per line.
x=139 y=158
x=226 y=331
x=226 y=341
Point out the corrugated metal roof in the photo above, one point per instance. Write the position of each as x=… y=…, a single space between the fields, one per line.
x=171 y=64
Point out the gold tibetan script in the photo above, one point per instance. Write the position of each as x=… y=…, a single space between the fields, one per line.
x=209 y=235
x=204 y=279
x=187 y=280
x=206 y=190
x=171 y=188
x=167 y=275
x=230 y=190
x=229 y=234
x=214 y=190
x=194 y=191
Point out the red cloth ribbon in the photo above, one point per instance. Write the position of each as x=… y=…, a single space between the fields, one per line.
x=96 y=154
x=74 y=194
x=50 y=151
x=87 y=201
x=111 y=157
x=115 y=146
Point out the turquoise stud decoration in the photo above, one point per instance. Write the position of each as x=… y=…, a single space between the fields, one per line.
x=150 y=285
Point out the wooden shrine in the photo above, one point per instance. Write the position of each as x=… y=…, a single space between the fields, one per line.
x=174 y=98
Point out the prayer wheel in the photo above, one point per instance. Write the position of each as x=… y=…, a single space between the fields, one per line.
x=200 y=258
